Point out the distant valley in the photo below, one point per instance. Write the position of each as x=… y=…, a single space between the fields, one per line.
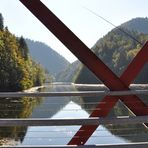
x=47 y=57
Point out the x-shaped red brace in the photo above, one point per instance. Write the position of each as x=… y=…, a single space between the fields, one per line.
x=87 y=57
x=108 y=102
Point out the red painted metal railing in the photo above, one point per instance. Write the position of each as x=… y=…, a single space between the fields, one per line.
x=88 y=58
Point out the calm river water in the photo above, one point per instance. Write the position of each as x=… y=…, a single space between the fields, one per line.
x=62 y=107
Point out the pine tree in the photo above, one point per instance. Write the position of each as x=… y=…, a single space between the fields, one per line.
x=23 y=48
x=1 y=22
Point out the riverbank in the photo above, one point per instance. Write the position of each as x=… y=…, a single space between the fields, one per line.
x=103 y=87
x=34 y=89
x=85 y=86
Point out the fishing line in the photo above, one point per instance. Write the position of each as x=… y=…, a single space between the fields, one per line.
x=132 y=37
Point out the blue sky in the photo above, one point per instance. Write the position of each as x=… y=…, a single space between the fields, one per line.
x=84 y=24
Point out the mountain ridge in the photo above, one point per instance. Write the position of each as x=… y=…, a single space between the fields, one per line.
x=47 y=57
x=138 y=24
x=127 y=26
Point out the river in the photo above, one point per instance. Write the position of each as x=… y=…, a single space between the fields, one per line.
x=62 y=107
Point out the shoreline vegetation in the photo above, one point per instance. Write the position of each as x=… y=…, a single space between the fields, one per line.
x=18 y=71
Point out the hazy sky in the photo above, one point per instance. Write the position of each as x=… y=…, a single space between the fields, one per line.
x=84 y=24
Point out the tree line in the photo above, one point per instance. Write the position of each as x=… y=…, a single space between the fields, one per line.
x=116 y=50
x=17 y=70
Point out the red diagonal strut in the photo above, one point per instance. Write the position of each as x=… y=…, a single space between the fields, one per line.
x=87 y=57
x=108 y=102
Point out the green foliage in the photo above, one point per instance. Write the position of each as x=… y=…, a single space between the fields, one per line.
x=38 y=74
x=23 y=48
x=116 y=50
x=17 y=70
x=137 y=24
x=70 y=73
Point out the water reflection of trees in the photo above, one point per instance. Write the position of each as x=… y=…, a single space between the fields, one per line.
x=29 y=107
x=15 y=108
x=52 y=105
x=134 y=132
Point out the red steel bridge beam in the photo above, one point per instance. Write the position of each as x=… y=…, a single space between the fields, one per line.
x=87 y=57
x=108 y=102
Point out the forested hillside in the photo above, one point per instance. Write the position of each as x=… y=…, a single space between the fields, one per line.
x=17 y=70
x=137 y=24
x=116 y=50
x=46 y=56
x=70 y=73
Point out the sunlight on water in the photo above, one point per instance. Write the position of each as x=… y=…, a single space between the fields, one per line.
x=62 y=134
